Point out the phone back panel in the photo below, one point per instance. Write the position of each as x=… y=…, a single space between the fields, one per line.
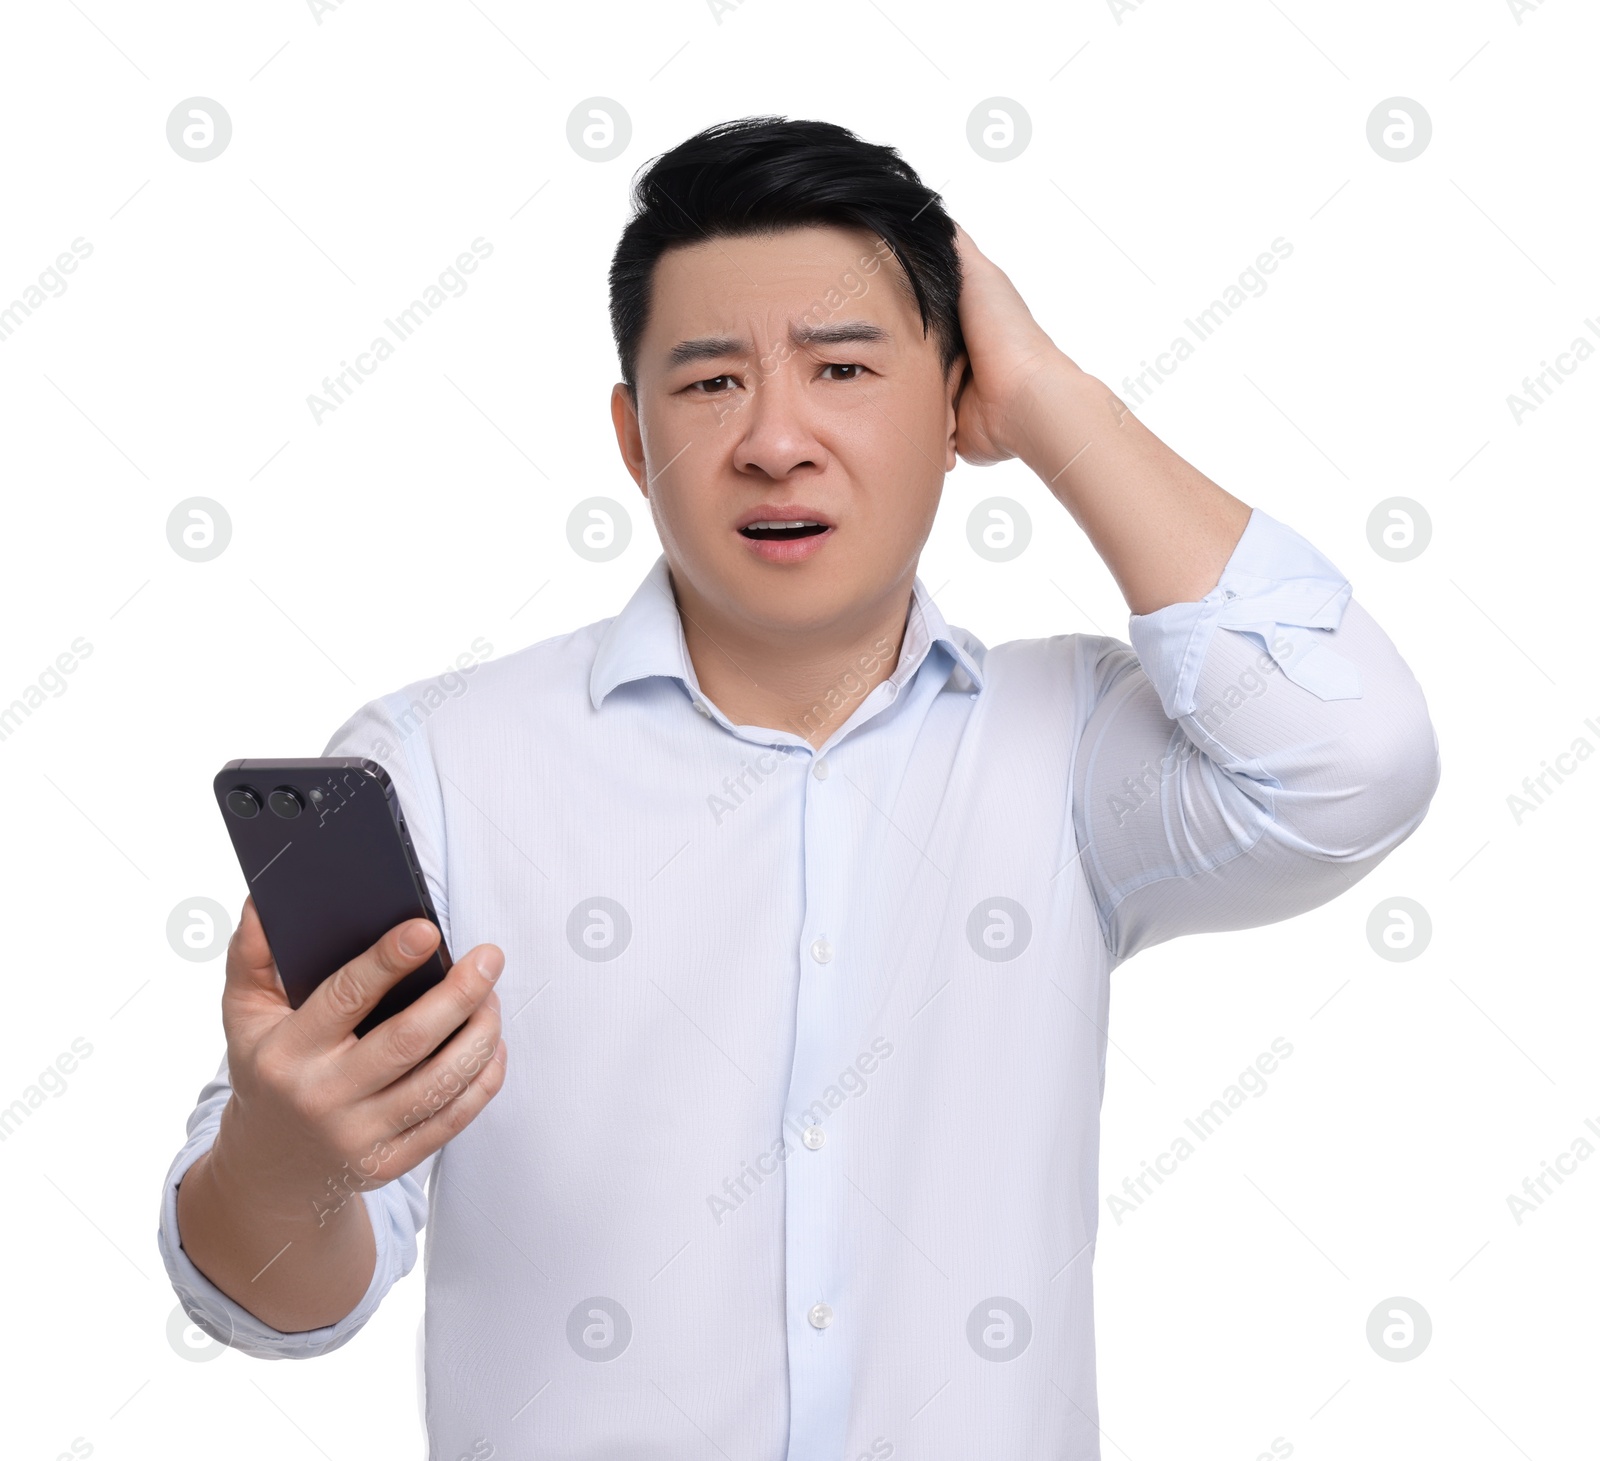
x=330 y=882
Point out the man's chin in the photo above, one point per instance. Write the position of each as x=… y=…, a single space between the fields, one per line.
x=792 y=602
x=820 y=597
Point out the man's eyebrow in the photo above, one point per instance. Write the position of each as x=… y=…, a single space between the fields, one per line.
x=842 y=332
x=706 y=347
x=720 y=347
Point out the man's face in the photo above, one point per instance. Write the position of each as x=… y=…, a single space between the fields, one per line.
x=780 y=377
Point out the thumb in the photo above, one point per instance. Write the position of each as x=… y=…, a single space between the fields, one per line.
x=252 y=981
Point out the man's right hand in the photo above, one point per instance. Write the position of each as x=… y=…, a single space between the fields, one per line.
x=317 y=1114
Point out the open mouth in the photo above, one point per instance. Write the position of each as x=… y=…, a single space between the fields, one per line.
x=782 y=532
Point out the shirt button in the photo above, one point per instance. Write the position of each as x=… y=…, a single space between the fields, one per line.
x=821 y=1316
x=813 y=1137
x=821 y=950
x=700 y=705
x=820 y=769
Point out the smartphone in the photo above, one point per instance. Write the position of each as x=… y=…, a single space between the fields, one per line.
x=323 y=846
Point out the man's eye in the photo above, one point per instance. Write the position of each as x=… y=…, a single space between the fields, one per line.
x=697 y=386
x=846 y=366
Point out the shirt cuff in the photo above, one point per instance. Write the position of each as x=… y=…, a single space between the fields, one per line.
x=231 y=1323
x=1275 y=587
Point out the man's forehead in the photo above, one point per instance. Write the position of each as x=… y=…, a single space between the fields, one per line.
x=819 y=286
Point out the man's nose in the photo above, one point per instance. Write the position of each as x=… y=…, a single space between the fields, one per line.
x=773 y=420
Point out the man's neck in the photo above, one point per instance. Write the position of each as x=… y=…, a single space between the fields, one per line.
x=807 y=684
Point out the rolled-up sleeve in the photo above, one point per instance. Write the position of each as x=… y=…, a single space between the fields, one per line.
x=398 y=1209
x=1249 y=756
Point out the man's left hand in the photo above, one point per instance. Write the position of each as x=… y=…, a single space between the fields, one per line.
x=1006 y=351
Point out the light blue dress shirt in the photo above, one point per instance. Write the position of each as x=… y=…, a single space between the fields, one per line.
x=797 y=1153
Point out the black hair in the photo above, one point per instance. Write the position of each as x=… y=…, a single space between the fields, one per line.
x=763 y=175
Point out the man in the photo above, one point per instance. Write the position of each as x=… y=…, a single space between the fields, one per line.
x=787 y=910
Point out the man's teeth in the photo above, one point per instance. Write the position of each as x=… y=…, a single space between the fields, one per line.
x=786 y=523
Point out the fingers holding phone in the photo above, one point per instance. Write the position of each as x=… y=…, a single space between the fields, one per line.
x=312 y=1099
x=425 y=1072
x=439 y=1087
x=435 y=1053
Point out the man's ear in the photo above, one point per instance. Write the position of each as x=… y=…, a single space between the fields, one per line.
x=630 y=442
x=955 y=381
x=956 y=378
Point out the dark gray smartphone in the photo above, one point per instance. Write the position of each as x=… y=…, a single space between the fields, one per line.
x=323 y=845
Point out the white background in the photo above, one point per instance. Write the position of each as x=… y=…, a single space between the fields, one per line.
x=1169 y=148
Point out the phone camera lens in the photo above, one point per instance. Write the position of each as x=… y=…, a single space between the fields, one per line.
x=243 y=802
x=285 y=801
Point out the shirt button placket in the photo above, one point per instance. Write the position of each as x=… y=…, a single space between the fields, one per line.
x=815 y=1202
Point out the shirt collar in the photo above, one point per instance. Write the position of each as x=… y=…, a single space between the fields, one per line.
x=646 y=639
